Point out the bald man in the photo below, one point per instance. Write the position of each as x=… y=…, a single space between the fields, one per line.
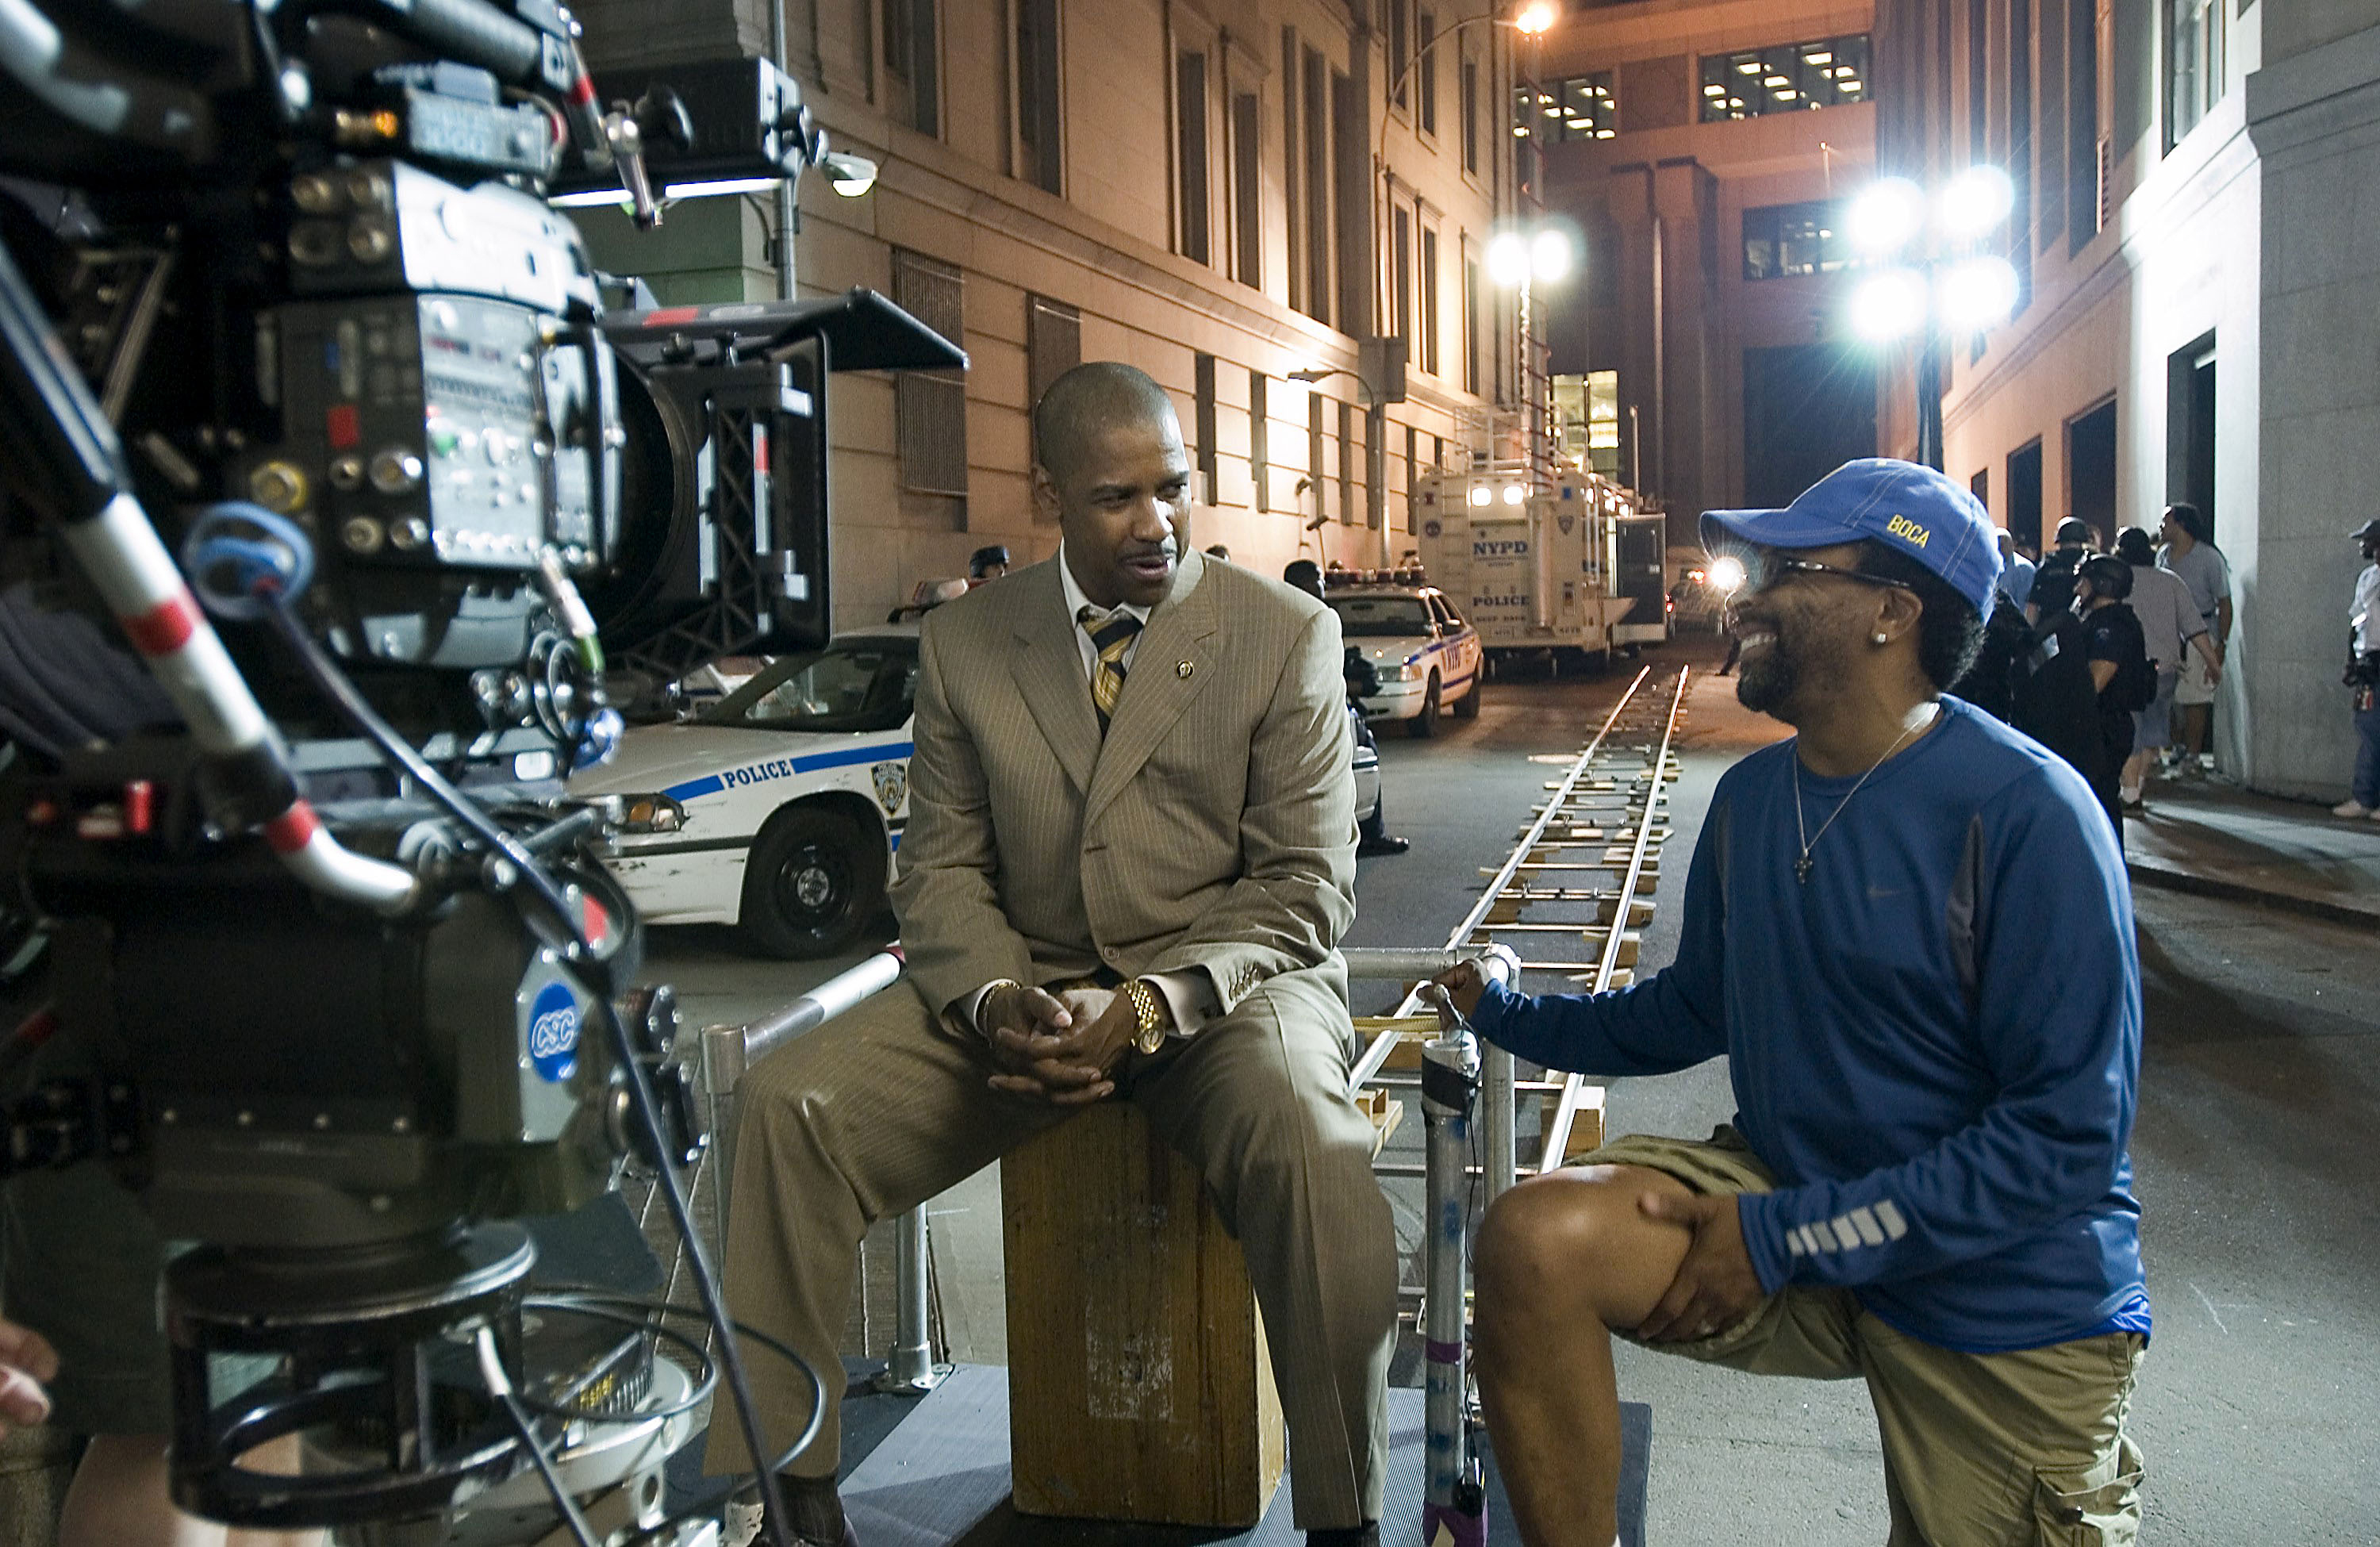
x=1129 y=859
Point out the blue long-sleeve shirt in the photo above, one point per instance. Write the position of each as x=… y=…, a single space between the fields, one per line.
x=1934 y=1041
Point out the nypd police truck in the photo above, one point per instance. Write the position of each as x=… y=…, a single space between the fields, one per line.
x=1536 y=567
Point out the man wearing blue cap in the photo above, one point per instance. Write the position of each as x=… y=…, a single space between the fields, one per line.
x=1927 y=1183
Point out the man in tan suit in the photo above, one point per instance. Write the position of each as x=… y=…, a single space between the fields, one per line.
x=1129 y=861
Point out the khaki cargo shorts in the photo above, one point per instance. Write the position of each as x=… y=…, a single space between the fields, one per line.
x=1980 y=1450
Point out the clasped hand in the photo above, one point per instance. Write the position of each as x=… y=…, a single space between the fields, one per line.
x=1061 y=1048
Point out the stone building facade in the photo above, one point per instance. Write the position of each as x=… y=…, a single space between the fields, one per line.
x=2201 y=313
x=1218 y=191
x=1703 y=150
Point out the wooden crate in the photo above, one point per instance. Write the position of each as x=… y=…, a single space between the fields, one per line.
x=1138 y=1384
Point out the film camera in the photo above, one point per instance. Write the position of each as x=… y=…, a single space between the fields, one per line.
x=310 y=395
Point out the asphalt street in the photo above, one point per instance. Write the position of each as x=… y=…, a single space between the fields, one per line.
x=2258 y=1401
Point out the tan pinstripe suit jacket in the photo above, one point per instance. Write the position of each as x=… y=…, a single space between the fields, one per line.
x=1213 y=828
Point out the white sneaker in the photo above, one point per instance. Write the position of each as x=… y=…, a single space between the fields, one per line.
x=2353 y=809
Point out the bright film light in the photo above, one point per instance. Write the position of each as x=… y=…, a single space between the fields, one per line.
x=1514 y=494
x=1885 y=216
x=1889 y=306
x=720 y=186
x=1536 y=19
x=1977 y=294
x=1508 y=259
x=1550 y=256
x=589 y=199
x=1976 y=200
x=1726 y=573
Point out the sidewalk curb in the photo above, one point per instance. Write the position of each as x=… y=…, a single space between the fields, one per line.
x=2169 y=879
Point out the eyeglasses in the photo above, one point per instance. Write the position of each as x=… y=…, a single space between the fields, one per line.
x=1767 y=571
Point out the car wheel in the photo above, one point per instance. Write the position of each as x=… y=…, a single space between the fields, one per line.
x=1425 y=725
x=813 y=885
x=1467 y=706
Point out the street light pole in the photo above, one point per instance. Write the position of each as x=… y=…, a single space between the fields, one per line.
x=1929 y=394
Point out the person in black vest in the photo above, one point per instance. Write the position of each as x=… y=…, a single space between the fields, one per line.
x=2050 y=694
x=2122 y=680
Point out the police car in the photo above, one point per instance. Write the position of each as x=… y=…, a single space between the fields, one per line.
x=1429 y=658
x=776 y=810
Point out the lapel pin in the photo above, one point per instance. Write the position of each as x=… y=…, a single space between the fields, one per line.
x=1182 y=670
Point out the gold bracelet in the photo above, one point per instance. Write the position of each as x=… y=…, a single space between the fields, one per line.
x=984 y=999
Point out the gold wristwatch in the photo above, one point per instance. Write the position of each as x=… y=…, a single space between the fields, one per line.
x=1148 y=1013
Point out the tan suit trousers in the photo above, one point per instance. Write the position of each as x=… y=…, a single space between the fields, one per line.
x=886 y=1106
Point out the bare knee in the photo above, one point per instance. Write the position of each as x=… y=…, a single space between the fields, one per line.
x=1575 y=1244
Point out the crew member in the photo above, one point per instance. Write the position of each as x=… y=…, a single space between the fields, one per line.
x=1927 y=1183
x=2362 y=676
x=2190 y=552
x=987 y=563
x=1129 y=861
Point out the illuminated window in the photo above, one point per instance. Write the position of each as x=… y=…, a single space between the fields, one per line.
x=1582 y=107
x=1783 y=240
x=1826 y=73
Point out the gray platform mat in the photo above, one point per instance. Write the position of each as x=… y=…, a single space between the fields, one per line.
x=938 y=1477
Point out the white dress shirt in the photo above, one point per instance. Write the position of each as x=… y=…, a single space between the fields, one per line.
x=1188 y=994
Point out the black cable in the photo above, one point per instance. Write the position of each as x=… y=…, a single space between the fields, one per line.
x=583 y=1301
x=553 y=1485
x=706 y=1380
x=572 y=1300
x=582 y=965
x=326 y=674
x=491 y=1369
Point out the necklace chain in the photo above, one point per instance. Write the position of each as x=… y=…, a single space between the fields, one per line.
x=1800 y=825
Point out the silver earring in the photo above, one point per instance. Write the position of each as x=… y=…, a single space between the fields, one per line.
x=1884 y=639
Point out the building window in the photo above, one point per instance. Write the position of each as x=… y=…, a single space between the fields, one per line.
x=1470 y=320
x=1821 y=74
x=1037 y=93
x=1427 y=34
x=1470 y=106
x=1054 y=343
x=1317 y=183
x=2194 y=60
x=1429 y=300
x=1580 y=108
x=911 y=52
x=1247 y=189
x=932 y=404
x=1190 y=152
x=1400 y=272
x=2085 y=153
x=1259 y=439
x=1783 y=240
x=1347 y=463
x=1314 y=455
x=1292 y=153
x=1202 y=370
x=1412 y=474
x=1399 y=49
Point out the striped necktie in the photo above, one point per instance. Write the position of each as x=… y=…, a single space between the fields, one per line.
x=1111 y=634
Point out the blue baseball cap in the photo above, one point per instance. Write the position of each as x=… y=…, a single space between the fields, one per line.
x=1913 y=509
